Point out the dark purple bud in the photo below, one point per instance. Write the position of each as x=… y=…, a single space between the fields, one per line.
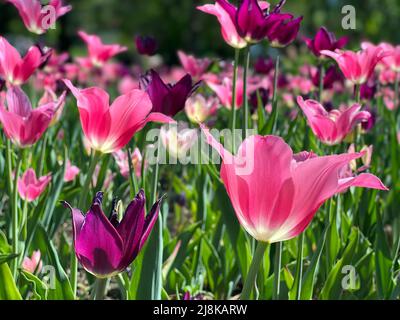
x=325 y=40
x=370 y=123
x=146 y=45
x=264 y=66
x=261 y=93
x=367 y=91
x=284 y=30
x=332 y=75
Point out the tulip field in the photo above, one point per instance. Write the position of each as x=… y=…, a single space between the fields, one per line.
x=270 y=173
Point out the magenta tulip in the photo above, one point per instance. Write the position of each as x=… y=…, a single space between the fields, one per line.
x=325 y=40
x=106 y=246
x=275 y=193
x=332 y=127
x=23 y=125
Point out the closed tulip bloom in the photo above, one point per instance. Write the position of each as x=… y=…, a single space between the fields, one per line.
x=106 y=246
x=100 y=53
x=284 y=30
x=168 y=99
x=178 y=140
x=16 y=70
x=297 y=185
x=34 y=263
x=109 y=128
x=29 y=187
x=37 y=18
x=23 y=125
x=325 y=40
x=332 y=127
x=146 y=45
x=199 y=109
x=357 y=66
x=193 y=66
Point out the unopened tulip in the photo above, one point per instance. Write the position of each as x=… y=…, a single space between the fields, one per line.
x=37 y=18
x=100 y=53
x=178 y=140
x=284 y=30
x=325 y=40
x=146 y=45
x=23 y=125
x=332 y=127
x=109 y=128
x=34 y=263
x=107 y=246
x=29 y=187
x=198 y=108
x=297 y=185
x=16 y=70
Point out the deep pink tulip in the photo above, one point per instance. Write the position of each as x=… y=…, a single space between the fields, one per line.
x=23 y=125
x=109 y=128
x=146 y=45
x=106 y=246
x=16 y=70
x=100 y=53
x=168 y=99
x=195 y=67
x=29 y=187
x=283 y=29
x=325 y=40
x=37 y=18
x=298 y=185
x=357 y=66
x=332 y=127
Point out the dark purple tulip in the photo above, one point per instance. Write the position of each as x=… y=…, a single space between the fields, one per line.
x=284 y=29
x=367 y=91
x=368 y=125
x=105 y=246
x=332 y=75
x=264 y=96
x=264 y=66
x=167 y=98
x=325 y=40
x=146 y=45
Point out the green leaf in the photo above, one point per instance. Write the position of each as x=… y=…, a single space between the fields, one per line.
x=8 y=288
x=39 y=288
x=7 y=257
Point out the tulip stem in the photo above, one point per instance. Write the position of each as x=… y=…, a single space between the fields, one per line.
x=357 y=91
x=15 y=218
x=252 y=274
x=321 y=81
x=132 y=178
x=100 y=289
x=9 y=168
x=245 y=106
x=233 y=106
x=42 y=155
x=275 y=96
x=82 y=202
x=299 y=267
x=277 y=270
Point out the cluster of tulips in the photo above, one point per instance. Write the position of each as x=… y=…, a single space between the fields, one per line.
x=186 y=241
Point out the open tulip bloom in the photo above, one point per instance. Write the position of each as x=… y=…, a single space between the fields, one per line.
x=332 y=127
x=109 y=128
x=106 y=246
x=277 y=199
x=23 y=125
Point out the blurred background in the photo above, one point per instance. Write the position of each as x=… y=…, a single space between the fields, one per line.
x=178 y=25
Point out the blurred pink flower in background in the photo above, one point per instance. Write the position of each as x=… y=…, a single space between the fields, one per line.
x=71 y=172
x=33 y=264
x=194 y=66
x=121 y=158
x=199 y=109
x=29 y=187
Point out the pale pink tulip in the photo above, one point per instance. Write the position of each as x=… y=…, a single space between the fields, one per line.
x=16 y=70
x=109 y=128
x=100 y=53
x=279 y=193
x=198 y=108
x=178 y=140
x=23 y=125
x=71 y=172
x=37 y=18
x=121 y=158
x=29 y=187
x=33 y=264
x=357 y=66
x=332 y=127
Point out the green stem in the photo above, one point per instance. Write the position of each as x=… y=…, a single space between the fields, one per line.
x=275 y=96
x=252 y=274
x=321 y=81
x=15 y=216
x=9 y=168
x=42 y=155
x=245 y=106
x=299 y=267
x=357 y=91
x=82 y=203
x=277 y=270
x=396 y=94
x=233 y=106
x=100 y=289
x=132 y=176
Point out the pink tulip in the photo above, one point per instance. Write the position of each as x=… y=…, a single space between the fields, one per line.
x=109 y=128
x=16 y=70
x=198 y=108
x=195 y=67
x=178 y=140
x=357 y=66
x=332 y=127
x=121 y=158
x=23 y=125
x=71 y=172
x=297 y=185
x=100 y=53
x=37 y=18
x=33 y=264
x=29 y=187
